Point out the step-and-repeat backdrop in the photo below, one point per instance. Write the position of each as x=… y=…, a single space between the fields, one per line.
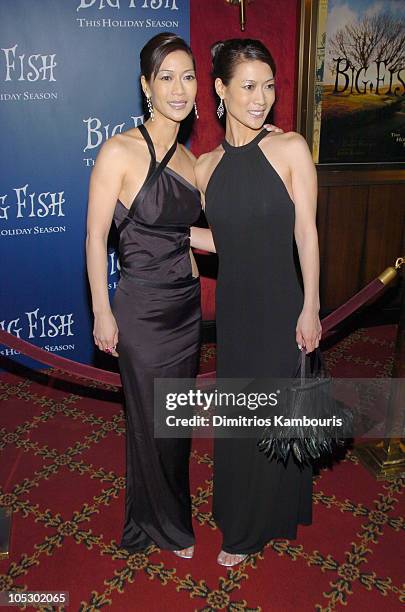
x=69 y=79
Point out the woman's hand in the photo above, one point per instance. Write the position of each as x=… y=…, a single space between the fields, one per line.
x=105 y=333
x=308 y=330
x=273 y=128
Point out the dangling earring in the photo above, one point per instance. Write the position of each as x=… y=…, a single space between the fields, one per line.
x=197 y=116
x=220 y=109
x=150 y=108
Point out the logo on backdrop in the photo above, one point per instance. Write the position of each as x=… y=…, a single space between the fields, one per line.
x=113 y=269
x=25 y=205
x=97 y=133
x=63 y=72
x=34 y=325
x=20 y=68
x=170 y=5
x=99 y=5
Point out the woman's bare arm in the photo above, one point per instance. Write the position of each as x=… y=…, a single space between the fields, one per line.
x=201 y=237
x=304 y=187
x=105 y=186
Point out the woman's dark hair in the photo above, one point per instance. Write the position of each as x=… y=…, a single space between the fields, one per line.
x=157 y=49
x=227 y=54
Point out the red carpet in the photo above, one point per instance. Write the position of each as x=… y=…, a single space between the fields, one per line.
x=61 y=469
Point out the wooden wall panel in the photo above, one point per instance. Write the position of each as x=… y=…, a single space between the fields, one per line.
x=342 y=254
x=385 y=229
x=361 y=225
x=322 y=225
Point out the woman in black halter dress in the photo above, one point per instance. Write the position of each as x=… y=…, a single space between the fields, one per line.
x=155 y=318
x=261 y=313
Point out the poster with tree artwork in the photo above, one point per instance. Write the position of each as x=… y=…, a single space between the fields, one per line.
x=360 y=114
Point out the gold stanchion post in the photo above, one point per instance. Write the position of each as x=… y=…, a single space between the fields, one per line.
x=242 y=11
x=5 y=530
x=385 y=459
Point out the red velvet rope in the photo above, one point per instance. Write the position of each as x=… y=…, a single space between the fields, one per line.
x=372 y=290
x=82 y=370
x=61 y=363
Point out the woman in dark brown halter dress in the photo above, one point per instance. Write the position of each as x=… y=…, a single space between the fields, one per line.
x=154 y=325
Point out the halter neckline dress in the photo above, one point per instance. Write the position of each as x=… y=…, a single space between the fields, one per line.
x=157 y=309
x=258 y=301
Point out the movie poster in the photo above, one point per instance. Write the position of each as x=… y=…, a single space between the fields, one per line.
x=360 y=113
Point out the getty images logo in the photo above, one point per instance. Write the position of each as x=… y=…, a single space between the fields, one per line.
x=28 y=67
x=147 y=4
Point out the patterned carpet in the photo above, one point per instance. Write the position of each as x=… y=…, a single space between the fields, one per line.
x=61 y=470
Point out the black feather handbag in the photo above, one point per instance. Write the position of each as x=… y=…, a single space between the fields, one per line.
x=313 y=422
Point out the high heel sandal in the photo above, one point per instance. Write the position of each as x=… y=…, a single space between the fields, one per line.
x=178 y=553
x=237 y=559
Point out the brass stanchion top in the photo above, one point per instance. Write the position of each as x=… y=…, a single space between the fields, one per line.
x=399 y=263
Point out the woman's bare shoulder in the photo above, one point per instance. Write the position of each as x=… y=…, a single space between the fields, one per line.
x=206 y=164
x=207 y=160
x=130 y=140
x=117 y=145
x=119 y=152
x=287 y=141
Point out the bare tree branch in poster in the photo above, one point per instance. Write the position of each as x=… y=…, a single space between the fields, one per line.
x=380 y=38
x=391 y=49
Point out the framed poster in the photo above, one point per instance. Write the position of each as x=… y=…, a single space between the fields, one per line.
x=351 y=102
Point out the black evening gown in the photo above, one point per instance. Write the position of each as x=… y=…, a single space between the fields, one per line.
x=157 y=309
x=258 y=301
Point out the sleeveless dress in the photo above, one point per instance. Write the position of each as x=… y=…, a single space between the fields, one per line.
x=258 y=301
x=157 y=309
